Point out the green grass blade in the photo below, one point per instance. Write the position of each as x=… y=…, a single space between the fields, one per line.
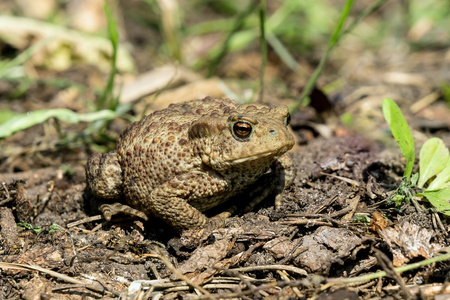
x=335 y=37
x=238 y=25
x=370 y=9
x=400 y=130
x=262 y=28
x=338 y=34
x=19 y=60
x=23 y=121
x=338 y=30
x=170 y=22
x=282 y=52
x=107 y=98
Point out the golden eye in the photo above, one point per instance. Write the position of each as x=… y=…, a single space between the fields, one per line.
x=288 y=119
x=242 y=130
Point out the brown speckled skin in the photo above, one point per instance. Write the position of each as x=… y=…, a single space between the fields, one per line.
x=185 y=159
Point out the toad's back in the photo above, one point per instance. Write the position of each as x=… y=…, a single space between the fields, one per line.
x=157 y=148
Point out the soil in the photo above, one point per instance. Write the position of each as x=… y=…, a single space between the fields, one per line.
x=337 y=221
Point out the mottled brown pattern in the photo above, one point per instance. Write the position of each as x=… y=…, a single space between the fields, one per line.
x=180 y=161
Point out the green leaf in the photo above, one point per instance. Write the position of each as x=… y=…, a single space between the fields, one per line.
x=23 y=121
x=433 y=158
x=400 y=130
x=441 y=179
x=439 y=199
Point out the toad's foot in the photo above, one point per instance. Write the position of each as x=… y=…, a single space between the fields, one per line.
x=192 y=238
x=109 y=210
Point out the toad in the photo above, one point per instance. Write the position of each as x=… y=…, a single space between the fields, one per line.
x=181 y=161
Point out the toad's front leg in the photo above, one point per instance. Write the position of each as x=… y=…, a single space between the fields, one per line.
x=170 y=201
x=281 y=175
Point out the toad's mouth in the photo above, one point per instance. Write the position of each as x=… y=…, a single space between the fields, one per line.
x=274 y=154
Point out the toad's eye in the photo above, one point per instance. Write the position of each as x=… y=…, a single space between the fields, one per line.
x=288 y=119
x=242 y=130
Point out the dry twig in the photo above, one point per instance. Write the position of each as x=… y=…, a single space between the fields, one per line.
x=93 y=287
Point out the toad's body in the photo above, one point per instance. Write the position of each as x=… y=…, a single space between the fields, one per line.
x=180 y=161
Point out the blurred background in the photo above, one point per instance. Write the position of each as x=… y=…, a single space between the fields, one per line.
x=149 y=53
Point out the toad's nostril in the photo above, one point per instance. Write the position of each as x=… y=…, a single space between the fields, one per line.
x=272 y=131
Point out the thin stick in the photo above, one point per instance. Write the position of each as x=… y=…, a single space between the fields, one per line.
x=23 y=267
x=272 y=267
x=177 y=273
x=367 y=277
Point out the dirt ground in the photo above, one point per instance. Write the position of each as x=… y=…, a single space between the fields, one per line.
x=336 y=222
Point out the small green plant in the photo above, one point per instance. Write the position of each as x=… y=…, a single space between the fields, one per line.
x=38 y=229
x=54 y=227
x=68 y=171
x=405 y=191
x=434 y=163
x=362 y=219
